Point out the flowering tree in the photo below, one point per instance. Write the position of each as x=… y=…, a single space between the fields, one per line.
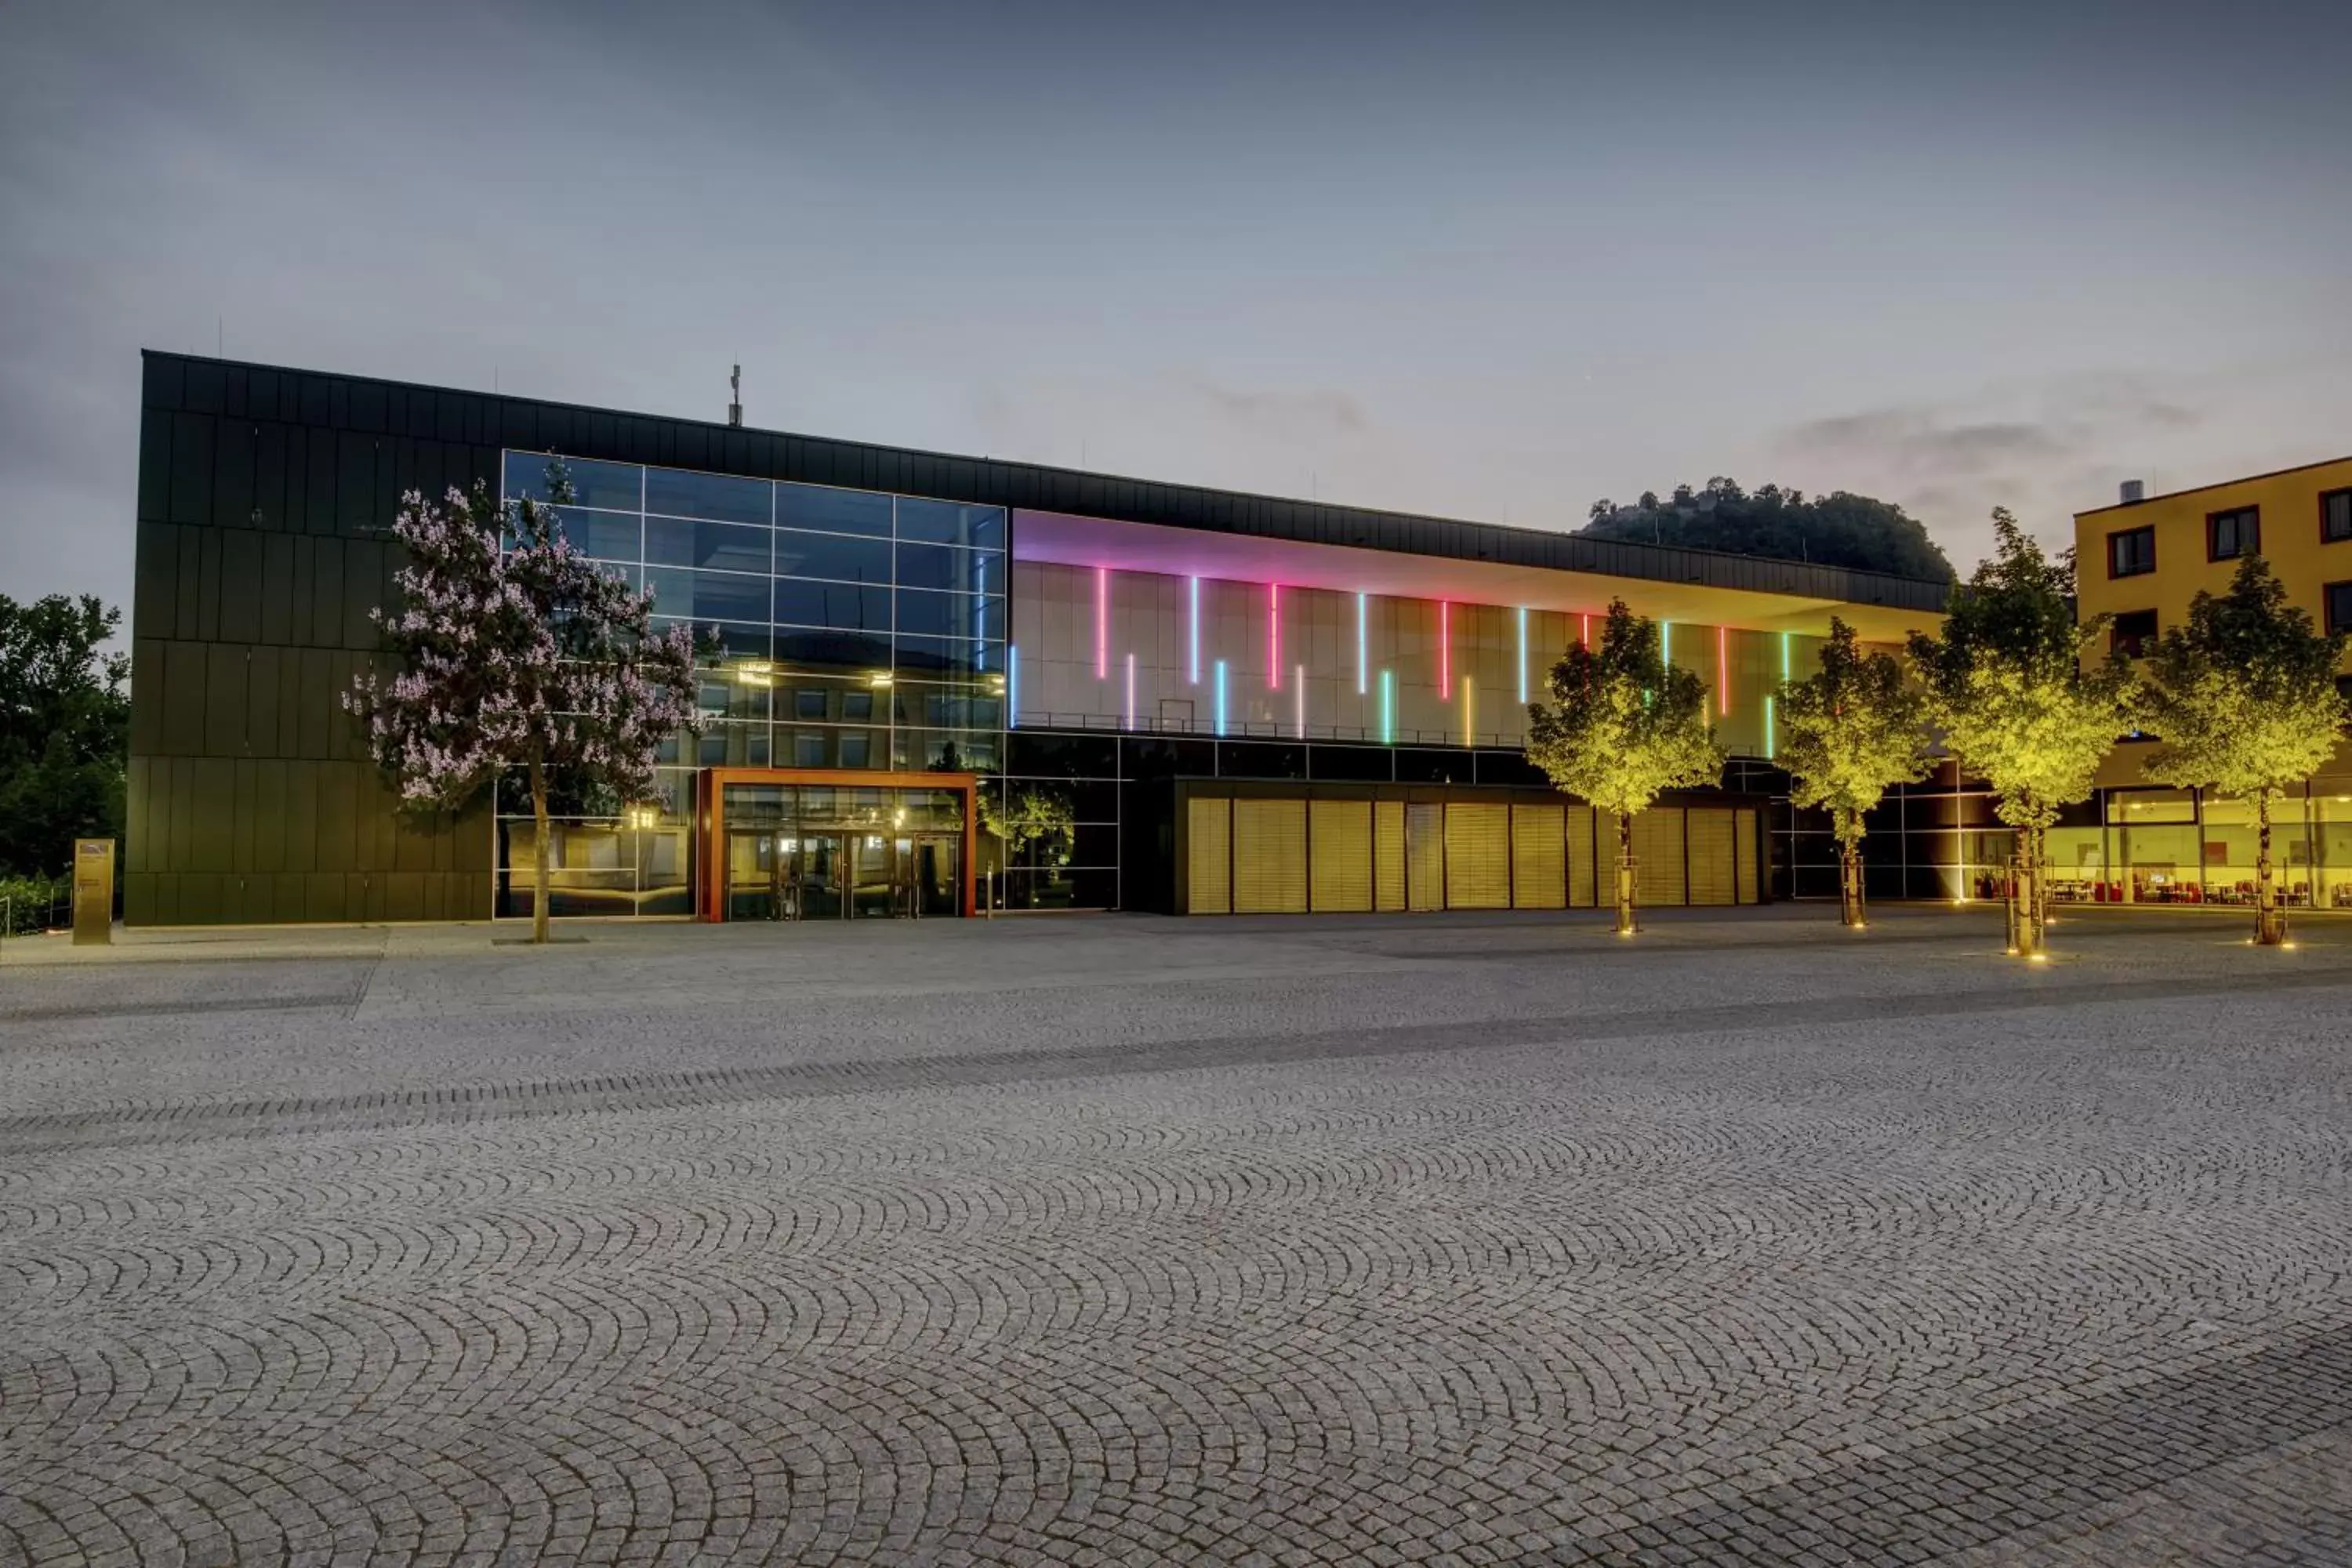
x=2243 y=698
x=1847 y=731
x=2018 y=706
x=515 y=650
x=1623 y=725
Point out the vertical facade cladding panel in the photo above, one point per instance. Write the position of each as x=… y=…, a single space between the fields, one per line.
x=1713 y=855
x=1744 y=857
x=1538 y=858
x=1477 y=855
x=1340 y=842
x=1269 y=856
x=1387 y=855
x=1424 y=856
x=1585 y=855
x=1208 y=856
x=1658 y=854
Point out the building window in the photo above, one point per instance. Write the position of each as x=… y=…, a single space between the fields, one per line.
x=2335 y=517
x=2230 y=534
x=2133 y=632
x=2338 y=597
x=2131 y=552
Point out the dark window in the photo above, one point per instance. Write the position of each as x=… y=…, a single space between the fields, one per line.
x=933 y=615
x=1036 y=753
x=707 y=595
x=834 y=512
x=946 y=656
x=724 y=546
x=857 y=705
x=718 y=496
x=619 y=485
x=857 y=748
x=2131 y=552
x=1371 y=764
x=949 y=522
x=2230 y=534
x=2335 y=516
x=606 y=535
x=1260 y=760
x=803 y=650
x=2344 y=687
x=2133 y=632
x=2337 y=597
x=843 y=604
x=808 y=704
x=939 y=566
x=824 y=555
x=808 y=750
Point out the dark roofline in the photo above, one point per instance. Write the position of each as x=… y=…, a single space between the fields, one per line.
x=2216 y=485
x=370 y=404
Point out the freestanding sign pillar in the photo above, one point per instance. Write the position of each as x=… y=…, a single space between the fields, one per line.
x=93 y=892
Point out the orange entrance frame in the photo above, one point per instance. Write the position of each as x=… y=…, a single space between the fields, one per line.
x=710 y=809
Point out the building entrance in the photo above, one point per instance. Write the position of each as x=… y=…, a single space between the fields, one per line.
x=786 y=846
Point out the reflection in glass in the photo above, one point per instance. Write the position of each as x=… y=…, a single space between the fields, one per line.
x=606 y=535
x=950 y=523
x=833 y=557
x=720 y=497
x=832 y=510
x=723 y=546
x=616 y=486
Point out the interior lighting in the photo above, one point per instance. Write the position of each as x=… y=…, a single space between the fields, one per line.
x=1523 y=653
x=1221 y=697
x=1193 y=668
x=1361 y=642
x=1102 y=623
x=880 y=679
x=1387 y=707
x=1130 y=692
x=1012 y=685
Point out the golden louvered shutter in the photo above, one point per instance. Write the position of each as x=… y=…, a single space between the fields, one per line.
x=1538 y=858
x=1713 y=878
x=1477 y=855
x=1388 y=854
x=1658 y=852
x=1269 y=856
x=1339 y=847
x=1208 y=856
x=1743 y=851
x=1583 y=859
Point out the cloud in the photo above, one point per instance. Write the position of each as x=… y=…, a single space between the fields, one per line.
x=1924 y=443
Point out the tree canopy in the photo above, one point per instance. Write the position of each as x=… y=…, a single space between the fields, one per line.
x=65 y=730
x=1837 y=530
x=1623 y=725
x=2243 y=694
x=1849 y=731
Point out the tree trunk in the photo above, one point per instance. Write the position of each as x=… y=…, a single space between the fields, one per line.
x=2027 y=894
x=538 y=851
x=1628 y=920
x=1850 y=912
x=2270 y=919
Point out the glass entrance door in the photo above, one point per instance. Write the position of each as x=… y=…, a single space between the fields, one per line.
x=935 y=865
x=758 y=877
x=872 y=882
x=817 y=874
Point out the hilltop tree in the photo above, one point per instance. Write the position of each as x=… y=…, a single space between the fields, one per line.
x=1623 y=726
x=1836 y=530
x=514 y=649
x=2018 y=705
x=2243 y=697
x=1848 y=733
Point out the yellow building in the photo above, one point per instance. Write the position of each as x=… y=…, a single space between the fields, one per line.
x=2141 y=561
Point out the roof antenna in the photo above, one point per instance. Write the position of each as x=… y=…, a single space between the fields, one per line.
x=735 y=397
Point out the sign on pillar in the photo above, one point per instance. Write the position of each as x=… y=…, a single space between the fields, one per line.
x=93 y=892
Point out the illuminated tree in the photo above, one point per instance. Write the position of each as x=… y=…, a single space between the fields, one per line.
x=1018 y=817
x=1849 y=732
x=1621 y=727
x=2243 y=698
x=2018 y=706
x=514 y=649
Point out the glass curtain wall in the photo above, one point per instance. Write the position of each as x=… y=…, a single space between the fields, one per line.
x=856 y=630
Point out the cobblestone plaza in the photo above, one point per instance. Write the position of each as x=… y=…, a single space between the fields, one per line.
x=1135 y=1241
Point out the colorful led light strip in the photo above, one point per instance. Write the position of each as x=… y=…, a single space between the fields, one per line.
x=1469 y=712
x=1361 y=642
x=1770 y=751
x=1784 y=655
x=1102 y=623
x=1221 y=697
x=1130 y=692
x=1723 y=669
x=979 y=614
x=1012 y=686
x=1195 y=665
x=1445 y=650
x=1387 y=707
x=1274 y=636
x=1523 y=653
x=1298 y=700
x=1666 y=642
x=1584 y=635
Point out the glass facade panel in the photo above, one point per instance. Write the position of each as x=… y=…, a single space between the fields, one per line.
x=722 y=546
x=833 y=512
x=845 y=607
x=708 y=596
x=968 y=615
x=832 y=556
x=606 y=535
x=950 y=523
x=942 y=656
x=802 y=649
x=617 y=487
x=943 y=566
x=722 y=498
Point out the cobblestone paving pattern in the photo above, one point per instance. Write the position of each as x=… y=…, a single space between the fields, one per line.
x=1129 y=1241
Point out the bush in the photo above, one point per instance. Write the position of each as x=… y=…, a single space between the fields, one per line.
x=35 y=903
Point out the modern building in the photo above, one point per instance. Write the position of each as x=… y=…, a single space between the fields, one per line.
x=1248 y=703
x=2141 y=561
